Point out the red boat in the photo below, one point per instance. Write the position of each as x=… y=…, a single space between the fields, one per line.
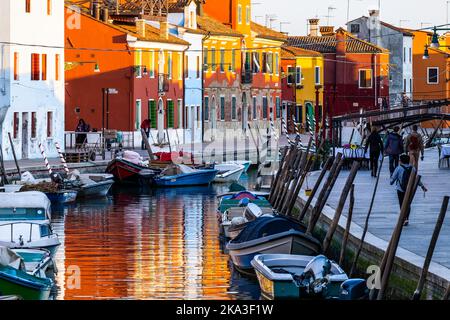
x=128 y=172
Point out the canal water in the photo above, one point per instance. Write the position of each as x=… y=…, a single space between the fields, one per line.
x=147 y=244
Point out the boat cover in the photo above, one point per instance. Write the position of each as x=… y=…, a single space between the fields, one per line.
x=132 y=157
x=243 y=195
x=266 y=226
x=28 y=199
x=10 y=258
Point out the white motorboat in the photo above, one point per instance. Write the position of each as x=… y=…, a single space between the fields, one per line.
x=228 y=172
x=25 y=222
x=234 y=220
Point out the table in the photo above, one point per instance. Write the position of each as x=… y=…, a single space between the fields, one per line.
x=445 y=151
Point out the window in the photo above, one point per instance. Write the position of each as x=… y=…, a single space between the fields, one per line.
x=169 y=65
x=276 y=69
x=410 y=86
x=317 y=76
x=27 y=6
x=404 y=54
x=278 y=107
x=410 y=54
x=299 y=114
x=222 y=108
x=298 y=75
x=233 y=60
x=365 y=79
x=404 y=86
x=222 y=60
x=49 y=7
x=198 y=67
x=138 y=63
x=152 y=113
x=198 y=117
x=269 y=62
x=180 y=65
x=291 y=75
x=354 y=28
x=265 y=106
x=247 y=15
x=433 y=75
x=44 y=67
x=239 y=14
x=213 y=59
x=137 y=116
x=256 y=64
x=206 y=109
x=16 y=125
x=16 y=66
x=33 y=124
x=35 y=66
x=151 y=64
x=49 y=124
x=255 y=116
x=205 y=58
x=170 y=114
x=57 y=63
x=180 y=113
x=186 y=67
x=233 y=108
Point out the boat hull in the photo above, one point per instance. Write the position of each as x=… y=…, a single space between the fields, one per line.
x=98 y=189
x=62 y=197
x=201 y=177
x=229 y=177
x=14 y=282
x=129 y=173
x=290 y=242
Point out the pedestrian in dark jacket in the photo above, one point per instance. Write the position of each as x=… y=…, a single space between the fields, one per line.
x=394 y=148
x=376 y=148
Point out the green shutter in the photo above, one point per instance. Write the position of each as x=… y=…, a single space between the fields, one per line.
x=170 y=114
x=152 y=113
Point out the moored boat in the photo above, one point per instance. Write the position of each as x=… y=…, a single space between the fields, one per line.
x=25 y=221
x=94 y=185
x=234 y=220
x=245 y=163
x=14 y=279
x=125 y=171
x=282 y=276
x=236 y=199
x=181 y=175
x=228 y=172
x=62 y=196
x=266 y=235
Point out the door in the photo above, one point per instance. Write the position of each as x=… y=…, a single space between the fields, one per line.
x=25 y=135
x=310 y=117
x=244 y=112
x=160 y=121
x=213 y=118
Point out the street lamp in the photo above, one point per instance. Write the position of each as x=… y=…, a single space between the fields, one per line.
x=426 y=54
x=435 y=39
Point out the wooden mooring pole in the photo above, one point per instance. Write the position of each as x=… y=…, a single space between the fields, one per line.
x=14 y=154
x=434 y=238
x=337 y=215
x=349 y=223
x=366 y=224
x=147 y=146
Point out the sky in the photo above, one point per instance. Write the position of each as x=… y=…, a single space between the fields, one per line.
x=412 y=14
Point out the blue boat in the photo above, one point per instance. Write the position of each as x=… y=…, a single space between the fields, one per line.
x=62 y=197
x=181 y=175
x=270 y=235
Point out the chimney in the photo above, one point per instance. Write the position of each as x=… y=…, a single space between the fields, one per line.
x=164 y=29
x=97 y=11
x=140 y=27
x=341 y=42
x=200 y=7
x=313 y=27
x=374 y=27
x=105 y=16
x=327 y=30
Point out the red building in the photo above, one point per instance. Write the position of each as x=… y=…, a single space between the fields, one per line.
x=141 y=63
x=356 y=71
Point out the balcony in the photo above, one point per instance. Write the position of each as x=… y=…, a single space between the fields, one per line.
x=140 y=71
x=163 y=83
x=247 y=77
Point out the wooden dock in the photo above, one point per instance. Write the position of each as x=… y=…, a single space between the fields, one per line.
x=416 y=237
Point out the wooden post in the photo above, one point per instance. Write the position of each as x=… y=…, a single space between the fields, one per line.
x=434 y=238
x=288 y=179
x=433 y=135
x=347 y=228
x=168 y=140
x=275 y=193
x=366 y=225
x=2 y=168
x=316 y=187
x=446 y=294
x=348 y=184
x=280 y=173
x=325 y=192
x=389 y=256
x=147 y=146
x=293 y=199
x=14 y=154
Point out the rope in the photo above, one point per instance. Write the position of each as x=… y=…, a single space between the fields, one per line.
x=61 y=157
x=47 y=164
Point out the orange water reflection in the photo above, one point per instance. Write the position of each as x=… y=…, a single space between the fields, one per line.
x=144 y=246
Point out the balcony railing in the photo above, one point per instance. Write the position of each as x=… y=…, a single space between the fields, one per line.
x=247 y=77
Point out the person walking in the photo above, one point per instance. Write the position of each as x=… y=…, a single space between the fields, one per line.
x=405 y=103
x=146 y=125
x=376 y=148
x=394 y=148
x=401 y=179
x=414 y=146
x=80 y=135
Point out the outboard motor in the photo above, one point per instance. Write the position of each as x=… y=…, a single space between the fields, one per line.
x=57 y=177
x=354 y=289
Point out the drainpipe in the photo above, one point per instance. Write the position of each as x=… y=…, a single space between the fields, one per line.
x=184 y=96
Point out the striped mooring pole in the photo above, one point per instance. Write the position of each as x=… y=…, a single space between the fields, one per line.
x=61 y=157
x=297 y=133
x=284 y=130
x=47 y=164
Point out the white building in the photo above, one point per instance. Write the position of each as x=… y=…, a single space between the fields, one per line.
x=184 y=18
x=31 y=76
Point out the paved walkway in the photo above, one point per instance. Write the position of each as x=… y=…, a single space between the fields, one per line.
x=415 y=237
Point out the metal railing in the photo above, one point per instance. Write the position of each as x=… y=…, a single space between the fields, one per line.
x=31 y=224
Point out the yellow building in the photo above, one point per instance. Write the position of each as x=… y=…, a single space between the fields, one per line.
x=302 y=83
